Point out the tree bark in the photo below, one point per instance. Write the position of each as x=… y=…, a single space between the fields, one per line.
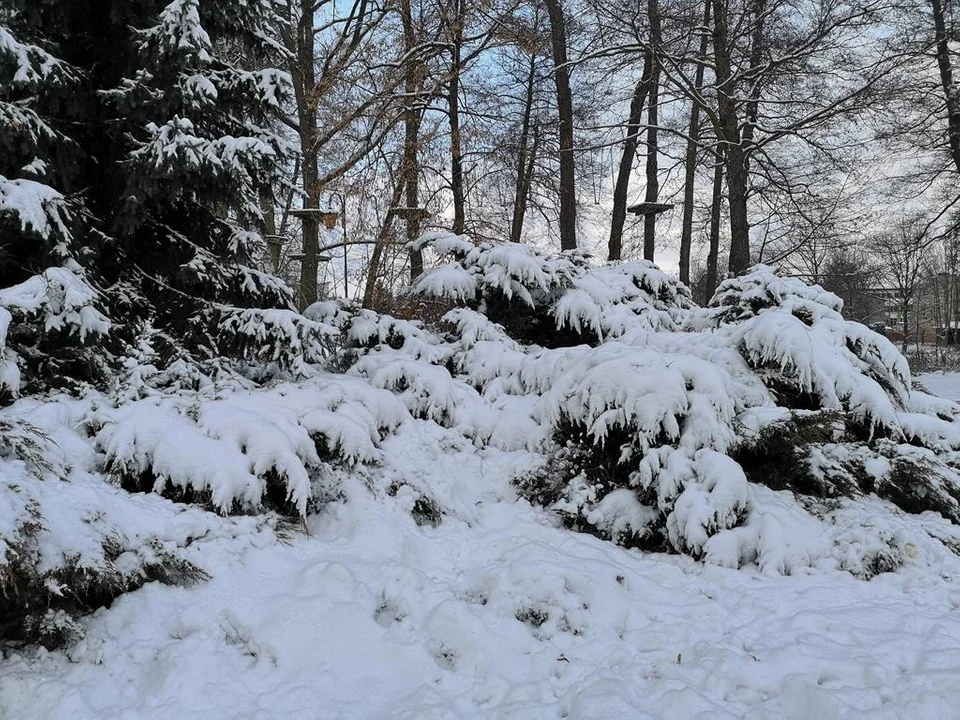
x=411 y=122
x=946 y=81
x=453 y=101
x=304 y=80
x=620 y=190
x=520 y=208
x=905 y=309
x=729 y=132
x=274 y=246
x=690 y=161
x=561 y=75
x=653 y=145
x=756 y=59
x=714 y=253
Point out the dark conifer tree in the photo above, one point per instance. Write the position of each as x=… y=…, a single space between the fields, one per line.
x=134 y=150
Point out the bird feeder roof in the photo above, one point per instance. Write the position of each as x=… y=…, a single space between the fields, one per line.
x=649 y=208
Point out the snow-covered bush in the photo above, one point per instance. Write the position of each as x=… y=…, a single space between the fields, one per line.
x=552 y=300
x=662 y=415
x=69 y=542
x=283 y=339
x=82 y=519
x=794 y=337
x=250 y=448
x=751 y=431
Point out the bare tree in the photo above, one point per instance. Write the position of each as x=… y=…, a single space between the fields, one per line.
x=455 y=21
x=652 y=190
x=950 y=91
x=414 y=73
x=716 y=206
x=852 y=275
x=781 y=74
x=329 y=58
x=903 y=254
x=528 y=146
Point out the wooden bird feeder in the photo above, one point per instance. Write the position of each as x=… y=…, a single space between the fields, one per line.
x=413 y=213
x=327 y=217
x=649 y=208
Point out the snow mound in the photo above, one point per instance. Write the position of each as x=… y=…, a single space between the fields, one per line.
x=763 y=431
x=497 y=612
x=82 y=519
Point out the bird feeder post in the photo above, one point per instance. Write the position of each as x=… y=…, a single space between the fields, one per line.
x=325 y=215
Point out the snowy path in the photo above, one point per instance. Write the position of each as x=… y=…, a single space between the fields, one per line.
x=371 y=616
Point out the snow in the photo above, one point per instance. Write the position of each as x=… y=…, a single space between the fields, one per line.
x=39 y=207
x=410 y=577
x=174 y=146
x=64 y=300
x=33 y=63
x=180 y=32
x=229 y=447
x=942 y=384
x=497 y=613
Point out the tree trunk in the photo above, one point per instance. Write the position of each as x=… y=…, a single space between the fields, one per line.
x=946 y=81
x=453 y=101
x=729 y=132
x=906 y=324
x=739 y=225
x=288 y=203
x=715 y=207
x=373 y=269
x=561 y=75
x=653 y=145
x=525 y=158
x=690 y=161
x=758 y=10
x=620 y=190
x=274 y=246
x=520 y=209
x=411 y=122
x=304 y=79
x=954 y=305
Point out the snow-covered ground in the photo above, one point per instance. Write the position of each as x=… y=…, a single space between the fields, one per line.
x=412 y=578
x=496 y=613
x=944 y=384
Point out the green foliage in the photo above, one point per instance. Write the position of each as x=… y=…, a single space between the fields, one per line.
x=135 y=146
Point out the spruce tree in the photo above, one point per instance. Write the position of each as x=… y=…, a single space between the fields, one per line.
x=134 y=150
x=46 y=300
